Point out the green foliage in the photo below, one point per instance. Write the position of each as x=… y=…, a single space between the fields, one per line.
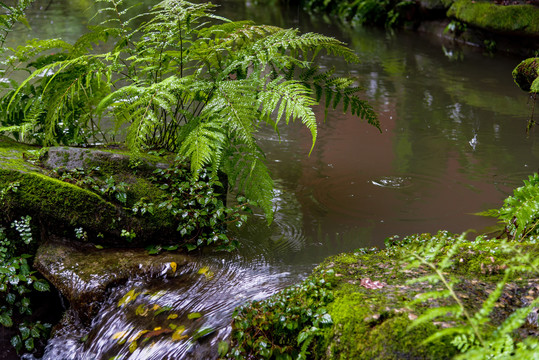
x=196 y=203
x=17 y=281
x=389 y=13
x=285 y=326
x=9 y=16
x=520 y=212
x=187 y=81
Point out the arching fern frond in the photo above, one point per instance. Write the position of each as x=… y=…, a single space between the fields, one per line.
x=187 y=81
x=289 y=100
x=248 y=174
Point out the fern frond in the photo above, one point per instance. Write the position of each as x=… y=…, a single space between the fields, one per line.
x=291 y=100
x=236 y=103
x=433 y=313
x=94 y=36
x=33 y=47
x=248 y=174
x=203 y=145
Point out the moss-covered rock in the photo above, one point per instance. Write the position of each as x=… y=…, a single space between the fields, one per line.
x=368 y=304
x=515 y=19
x=61 y=207
x=526 y=75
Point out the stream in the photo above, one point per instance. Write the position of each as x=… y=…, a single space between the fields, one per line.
x=453 y=143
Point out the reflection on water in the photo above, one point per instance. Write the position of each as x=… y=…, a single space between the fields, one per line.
x=453 y=143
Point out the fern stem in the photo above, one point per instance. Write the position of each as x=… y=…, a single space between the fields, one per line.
x=449 y=287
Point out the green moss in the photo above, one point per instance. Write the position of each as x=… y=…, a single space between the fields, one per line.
x=365 y=330
x=522 y=19
x=526 y=75
x=47 y=198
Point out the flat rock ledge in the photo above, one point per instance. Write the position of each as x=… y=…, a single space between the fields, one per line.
x=83 y=273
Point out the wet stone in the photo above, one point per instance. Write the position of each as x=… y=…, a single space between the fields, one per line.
x=83 y=273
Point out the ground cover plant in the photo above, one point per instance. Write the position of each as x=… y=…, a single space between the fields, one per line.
x=17 y=282
x=185 y=80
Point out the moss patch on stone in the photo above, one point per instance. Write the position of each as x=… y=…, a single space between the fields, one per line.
x=371 y=304
x=60 y=207
x=518 y=19
x=526 y=75
x=46 y=198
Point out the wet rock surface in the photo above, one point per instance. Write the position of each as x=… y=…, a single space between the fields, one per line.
x=83 y=273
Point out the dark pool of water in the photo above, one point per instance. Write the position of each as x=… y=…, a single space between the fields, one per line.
x=453 y=143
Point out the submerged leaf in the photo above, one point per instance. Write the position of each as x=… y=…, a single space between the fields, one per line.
x=177 y=335
x=194 y=315
x=129 y=297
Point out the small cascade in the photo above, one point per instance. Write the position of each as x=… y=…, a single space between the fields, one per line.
x=182 y=314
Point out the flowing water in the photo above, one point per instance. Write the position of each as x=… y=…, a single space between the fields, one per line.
x=453 y=143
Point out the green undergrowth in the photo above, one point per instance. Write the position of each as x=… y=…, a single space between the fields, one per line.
x=18 y=281
x=369 y=305
x=114 y=198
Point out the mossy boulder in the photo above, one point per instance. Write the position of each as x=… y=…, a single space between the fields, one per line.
x=510 y=19
x=526 y=75
x=359 y=305
x=83 y=272
x=60 y=207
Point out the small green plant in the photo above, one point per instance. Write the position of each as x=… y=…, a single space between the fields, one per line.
x=519 y=213
x=456 y=28
x=128 y=235
x=17 y=281
x=198 y=204
x=474 y=331
x=287 y=324
x=93 y=180
x=12 y=187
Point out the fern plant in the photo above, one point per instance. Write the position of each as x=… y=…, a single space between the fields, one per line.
x=186 y=81
x=519 y=213
x=475 y=332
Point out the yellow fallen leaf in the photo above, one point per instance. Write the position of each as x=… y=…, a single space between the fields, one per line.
x=133 y=346
x=155 y=307
x=141 y=310
x=178 y=334
x=206 y=272
x=157 y=328
x=119 y=335
x=173 y=266
x=129 y=297
x=172 y=316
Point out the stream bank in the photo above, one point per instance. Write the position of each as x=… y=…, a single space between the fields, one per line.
x=511 y=27
x=363 y=305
